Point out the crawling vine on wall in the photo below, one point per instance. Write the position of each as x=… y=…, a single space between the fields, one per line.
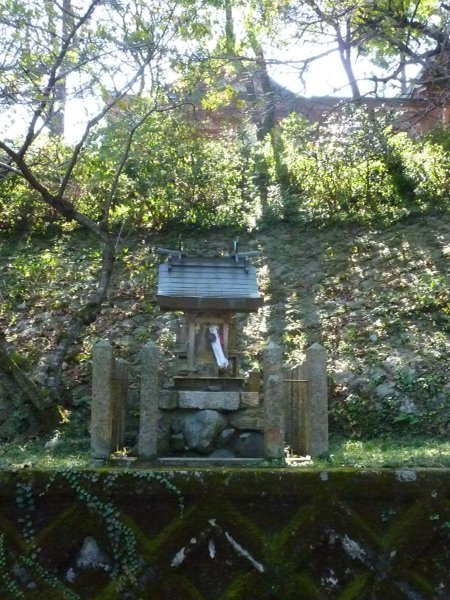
x=128 y=565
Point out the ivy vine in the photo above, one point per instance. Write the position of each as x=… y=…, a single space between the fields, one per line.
x=128 y=564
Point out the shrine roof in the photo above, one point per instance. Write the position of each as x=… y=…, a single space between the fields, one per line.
x=202 y=283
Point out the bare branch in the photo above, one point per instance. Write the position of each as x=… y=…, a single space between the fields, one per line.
x=52 y=76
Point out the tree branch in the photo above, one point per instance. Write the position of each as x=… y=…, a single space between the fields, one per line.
x=56 y=201
x=52 y=77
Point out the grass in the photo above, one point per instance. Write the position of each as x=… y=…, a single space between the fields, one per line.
x=388 y=453
x=49 y=454
x=58 y=452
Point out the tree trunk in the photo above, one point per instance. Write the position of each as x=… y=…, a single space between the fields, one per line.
x=18 y=380
x=58 y=107
x=24 y=407
x=230 y=38
x=345 y=52
x=266 y=120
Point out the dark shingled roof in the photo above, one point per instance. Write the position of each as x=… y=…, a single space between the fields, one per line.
x=203 y=283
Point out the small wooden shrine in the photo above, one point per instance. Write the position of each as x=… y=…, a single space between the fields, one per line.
x=206 y=409
x=209 y=291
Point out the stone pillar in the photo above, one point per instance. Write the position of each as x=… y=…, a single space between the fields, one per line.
x=149 y=411
x=120 y=398
x=273 y=401
x=317 y=405
x=102 y=400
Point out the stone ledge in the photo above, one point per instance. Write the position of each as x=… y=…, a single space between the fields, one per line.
x=206 y=462
x=209 y=400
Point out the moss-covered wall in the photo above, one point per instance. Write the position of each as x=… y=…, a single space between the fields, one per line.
x=225 y=534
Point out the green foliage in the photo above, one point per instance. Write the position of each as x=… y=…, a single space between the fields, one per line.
x=427 y=163
x=34 y=272
x=353 y=167
x=174 y=175
x=9 y=583
x=21 y=207
x=389 y=452
x=152 y=164
x=417 y=405
x=67 y=453
x=363 y=417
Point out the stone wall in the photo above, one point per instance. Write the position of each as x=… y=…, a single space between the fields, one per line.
x=229 y=534
x=217 y=424
x=416 y=115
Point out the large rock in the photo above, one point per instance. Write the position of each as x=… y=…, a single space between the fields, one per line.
x=226 y=437
x=249 y=445
x=222 y=453
x=92 y=557
x=177 y=442
x=201 y=429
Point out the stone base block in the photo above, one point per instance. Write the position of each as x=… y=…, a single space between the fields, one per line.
x=208 y=400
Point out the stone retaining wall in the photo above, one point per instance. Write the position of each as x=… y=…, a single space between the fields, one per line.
x=225 y=534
